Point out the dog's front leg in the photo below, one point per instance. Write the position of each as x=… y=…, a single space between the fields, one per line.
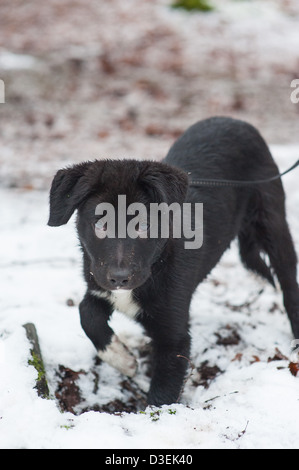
x=170 y=362
x=95 y=313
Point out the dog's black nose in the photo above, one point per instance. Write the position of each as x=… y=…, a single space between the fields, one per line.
x=119 y=278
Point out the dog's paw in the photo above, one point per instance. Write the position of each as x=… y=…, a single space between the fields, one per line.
x=118 y=356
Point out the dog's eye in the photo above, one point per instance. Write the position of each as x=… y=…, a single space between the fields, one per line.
x=101 y=226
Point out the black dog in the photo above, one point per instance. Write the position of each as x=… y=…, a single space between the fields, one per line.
x=153 y=279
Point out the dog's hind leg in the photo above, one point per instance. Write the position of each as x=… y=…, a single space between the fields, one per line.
x=271 y=232
x=281 y=251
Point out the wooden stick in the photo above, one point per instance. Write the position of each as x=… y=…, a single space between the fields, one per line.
x=37 y=361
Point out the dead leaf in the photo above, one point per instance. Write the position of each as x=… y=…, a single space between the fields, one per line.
x=237 y=357
x=255 y=359
x=294 y=368
x=278 y=356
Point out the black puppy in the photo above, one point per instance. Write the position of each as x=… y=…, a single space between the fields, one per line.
x=153 y=279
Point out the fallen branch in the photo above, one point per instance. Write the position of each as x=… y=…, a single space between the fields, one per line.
x=37 y=361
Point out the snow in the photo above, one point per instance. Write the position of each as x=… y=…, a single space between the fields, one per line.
x=10 y=61
x=252 y=403
x=129 y=98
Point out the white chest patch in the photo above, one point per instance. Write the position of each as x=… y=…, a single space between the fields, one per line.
x=122 y=300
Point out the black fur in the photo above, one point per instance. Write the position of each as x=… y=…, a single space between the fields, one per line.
x=161 y=273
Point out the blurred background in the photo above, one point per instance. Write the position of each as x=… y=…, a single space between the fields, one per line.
x=124 y=78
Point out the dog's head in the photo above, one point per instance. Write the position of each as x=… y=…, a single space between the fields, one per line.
x=117 y=242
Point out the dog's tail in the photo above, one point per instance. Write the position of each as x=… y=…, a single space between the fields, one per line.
x=251 y=257
x=250 y=247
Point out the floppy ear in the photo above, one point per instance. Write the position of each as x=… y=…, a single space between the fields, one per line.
x=169 y=184
x=69 y=188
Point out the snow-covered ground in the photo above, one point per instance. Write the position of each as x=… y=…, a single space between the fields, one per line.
x=137 y=75
x=250 y=403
